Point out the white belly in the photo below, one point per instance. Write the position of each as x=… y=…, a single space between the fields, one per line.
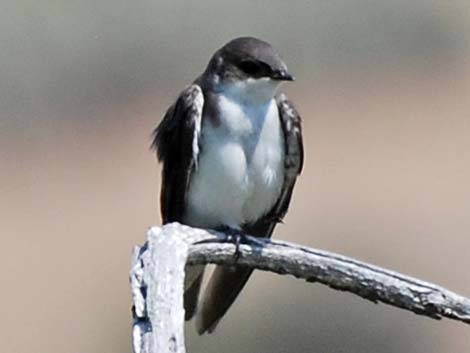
x=240 y=170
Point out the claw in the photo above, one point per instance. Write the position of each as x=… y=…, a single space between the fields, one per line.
x=238 y=237
x=235 y=236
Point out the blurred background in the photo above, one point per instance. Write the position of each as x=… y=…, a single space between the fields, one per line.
x=384 y=91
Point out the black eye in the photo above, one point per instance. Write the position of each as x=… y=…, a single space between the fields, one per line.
x=249 y=67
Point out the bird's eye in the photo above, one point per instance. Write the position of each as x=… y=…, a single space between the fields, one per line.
x=249 y=67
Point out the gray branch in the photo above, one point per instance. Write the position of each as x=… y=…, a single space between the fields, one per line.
x=157 y=279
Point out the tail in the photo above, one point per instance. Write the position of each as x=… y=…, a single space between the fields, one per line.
x=223 y=288
x=226 y=283
x=192 y=286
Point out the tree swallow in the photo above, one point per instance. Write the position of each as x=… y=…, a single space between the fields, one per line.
x=231 y=149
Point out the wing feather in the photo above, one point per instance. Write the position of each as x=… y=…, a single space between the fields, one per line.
x=176 y=141
x=291 y=123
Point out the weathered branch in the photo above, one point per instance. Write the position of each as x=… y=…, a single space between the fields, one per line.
x=157 y=278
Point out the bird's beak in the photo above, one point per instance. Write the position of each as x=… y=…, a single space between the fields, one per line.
x=282 y=75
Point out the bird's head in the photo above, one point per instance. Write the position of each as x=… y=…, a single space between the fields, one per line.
x=248 y=66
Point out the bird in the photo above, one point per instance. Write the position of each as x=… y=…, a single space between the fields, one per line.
x=231 y=150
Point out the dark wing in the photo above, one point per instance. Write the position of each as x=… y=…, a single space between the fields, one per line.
x=291 y=124
x=293 y=163
x=227 y=281
x=176 y=141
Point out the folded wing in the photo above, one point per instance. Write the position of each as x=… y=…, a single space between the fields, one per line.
x=176 y=141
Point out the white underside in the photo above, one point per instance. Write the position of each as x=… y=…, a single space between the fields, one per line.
x=240 y=171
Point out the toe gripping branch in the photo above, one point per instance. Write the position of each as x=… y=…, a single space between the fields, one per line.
x=236 y=237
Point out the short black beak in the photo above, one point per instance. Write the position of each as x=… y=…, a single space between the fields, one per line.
x=282 y=75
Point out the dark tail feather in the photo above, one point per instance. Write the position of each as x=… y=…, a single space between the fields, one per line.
x=191 y=295
x=225 y=284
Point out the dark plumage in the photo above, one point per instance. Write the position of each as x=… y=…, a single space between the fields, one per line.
x=247 y=57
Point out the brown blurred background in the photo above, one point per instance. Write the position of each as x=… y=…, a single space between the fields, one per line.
x=384 y=90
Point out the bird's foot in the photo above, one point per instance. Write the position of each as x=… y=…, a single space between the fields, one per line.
x=235 y=236
x=238 y=237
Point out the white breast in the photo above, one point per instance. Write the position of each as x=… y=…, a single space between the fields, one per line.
x=240 y=170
